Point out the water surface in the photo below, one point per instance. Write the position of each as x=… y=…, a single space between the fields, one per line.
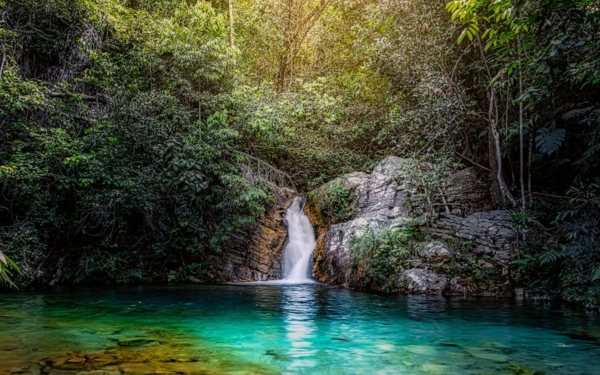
x=288 y=329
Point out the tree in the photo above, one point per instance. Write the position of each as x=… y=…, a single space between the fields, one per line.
x=231 y=28
x=297 y=18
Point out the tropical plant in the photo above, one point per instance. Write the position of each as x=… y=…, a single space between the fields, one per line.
x=378 y=256
x=108 y=171
x=6 y=265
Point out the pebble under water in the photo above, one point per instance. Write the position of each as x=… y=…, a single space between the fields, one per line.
x=287 y=329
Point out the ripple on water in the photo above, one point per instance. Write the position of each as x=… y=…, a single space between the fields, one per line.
x=293 y=329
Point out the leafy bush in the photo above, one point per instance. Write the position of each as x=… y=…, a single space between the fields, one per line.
x=108 y=171
x=378 y=257
x=567 y=265
x=336 y=202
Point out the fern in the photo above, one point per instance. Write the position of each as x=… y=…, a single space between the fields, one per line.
x=551 y=256
x=550 y=139
x=577 y=113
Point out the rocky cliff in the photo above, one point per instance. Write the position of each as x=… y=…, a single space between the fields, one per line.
x=445 y=242
x=254 y=253
x=447 y=247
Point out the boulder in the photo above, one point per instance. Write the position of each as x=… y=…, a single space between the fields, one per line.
x=488 y=233
x=421 y=281
x=378 y=203
x=381 y=200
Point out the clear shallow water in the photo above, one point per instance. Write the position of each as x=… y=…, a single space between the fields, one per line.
x=288 y=329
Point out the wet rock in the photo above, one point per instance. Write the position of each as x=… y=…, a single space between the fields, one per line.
x=102 y=360
x=99 y=372
x=59 y=372
x=422 y=281
x=486 y=353
x=431 y=368
x=457 y=287
x=137 y=342
x=9 y=367
x=137 y=368
x=68 y=362
x=278 y=355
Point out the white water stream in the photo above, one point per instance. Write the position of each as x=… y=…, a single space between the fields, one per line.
x=296 y=263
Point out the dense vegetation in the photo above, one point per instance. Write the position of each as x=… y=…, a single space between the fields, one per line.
x=129 y=127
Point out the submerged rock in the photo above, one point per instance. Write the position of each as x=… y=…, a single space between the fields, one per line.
x=137 y=342
x=153 y=359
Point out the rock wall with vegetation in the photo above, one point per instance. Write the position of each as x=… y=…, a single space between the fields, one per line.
x=253 y=253
x=375 y=232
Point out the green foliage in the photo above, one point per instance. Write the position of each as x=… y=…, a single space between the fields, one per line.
x=545 y=53
x=412 y=44
x=469 y=269
x=107 y=173
x=314 y=131
x=429 y=184
x=499 y=19
x=379 y=256
x=521 y=220
x=549 y=140
x=6 y=265
x=567 y=265
x=336 y=201
x=551 y=47
x=125 y=126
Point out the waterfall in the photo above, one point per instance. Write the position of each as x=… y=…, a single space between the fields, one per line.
x=296 y=262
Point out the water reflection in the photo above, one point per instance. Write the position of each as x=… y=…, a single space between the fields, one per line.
x=294 y=329
x=300 y=310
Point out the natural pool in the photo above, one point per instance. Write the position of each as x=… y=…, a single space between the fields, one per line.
x=287 y=329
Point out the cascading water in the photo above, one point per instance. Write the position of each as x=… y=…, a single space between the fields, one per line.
x=297 y=255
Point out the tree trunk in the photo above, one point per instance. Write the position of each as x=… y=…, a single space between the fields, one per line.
x=521 y=142
x=498 y=189
x=530 y=164
x=297 y=26
x=231 y=34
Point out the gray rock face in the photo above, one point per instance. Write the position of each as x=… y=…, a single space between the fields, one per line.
x=489 y=233
x=468 y=193
x=421 y=281
x=254 y=254
x=380 y=201
x=434 y=249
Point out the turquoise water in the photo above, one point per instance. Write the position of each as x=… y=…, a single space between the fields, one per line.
x=288 y=329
